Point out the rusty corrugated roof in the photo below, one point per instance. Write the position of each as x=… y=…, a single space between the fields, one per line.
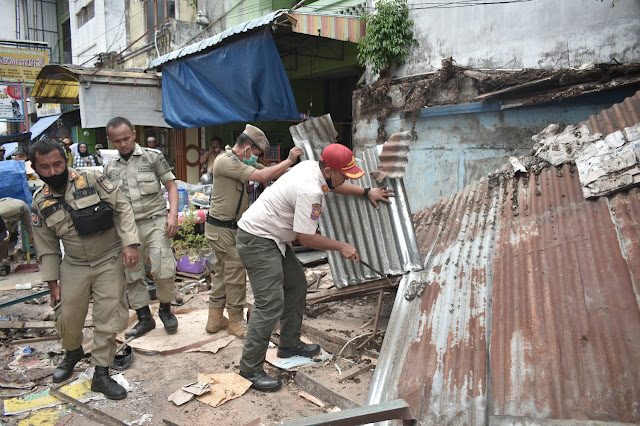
x=529 y=306
x=618 y=117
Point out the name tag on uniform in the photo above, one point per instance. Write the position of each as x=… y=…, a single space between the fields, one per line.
x=49 y=207
x=84 y=192
x=145 y=169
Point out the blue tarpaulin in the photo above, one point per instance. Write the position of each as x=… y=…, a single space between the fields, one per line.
x=41 y=125
x=239 y=82
x=13 y=181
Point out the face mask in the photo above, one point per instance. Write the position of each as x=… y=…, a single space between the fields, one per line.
x=251 y=160
x=329 y=183
x=57 y=181
x=216 y=149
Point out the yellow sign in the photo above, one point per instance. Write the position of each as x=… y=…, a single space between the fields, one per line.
x=19 y=64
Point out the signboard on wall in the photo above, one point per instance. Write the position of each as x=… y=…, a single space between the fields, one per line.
x=47 y=110
x=19 y=64
x=11 y=102
x=142 y=105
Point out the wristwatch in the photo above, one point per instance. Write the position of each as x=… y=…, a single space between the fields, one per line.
x=366 y=191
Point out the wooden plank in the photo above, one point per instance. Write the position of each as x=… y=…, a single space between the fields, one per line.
x=19 y=325
x=312 y=399
x=355 y=371
x=317 y=389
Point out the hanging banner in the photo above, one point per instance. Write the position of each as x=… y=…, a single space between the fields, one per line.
x=11 y=108
x=19 y=64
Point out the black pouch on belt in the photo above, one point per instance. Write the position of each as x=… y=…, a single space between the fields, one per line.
x=90 y=220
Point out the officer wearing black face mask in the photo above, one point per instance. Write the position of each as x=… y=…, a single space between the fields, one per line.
x=94 y=221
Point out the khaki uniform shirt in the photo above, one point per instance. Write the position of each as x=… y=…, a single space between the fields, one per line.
x=14 y=211
x=230 y=179
x=52 y=223
x=139 y=179
x=291 y=206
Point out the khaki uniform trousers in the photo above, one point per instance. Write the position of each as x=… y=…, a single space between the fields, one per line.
x=229 y=284
x=280 y=290
x=105 y=283
x=163 y=264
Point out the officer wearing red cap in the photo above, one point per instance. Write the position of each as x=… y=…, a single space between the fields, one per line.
x=289 y=210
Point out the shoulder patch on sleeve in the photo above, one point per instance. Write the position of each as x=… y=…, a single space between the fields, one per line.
x=106 y=184
x=35 y=219
x=234 y=159
x=316 y=209
x=165 y=165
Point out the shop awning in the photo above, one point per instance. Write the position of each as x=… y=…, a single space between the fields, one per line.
x=41 y=125
x=237 y=82
x=103 y=94
x=337 y=27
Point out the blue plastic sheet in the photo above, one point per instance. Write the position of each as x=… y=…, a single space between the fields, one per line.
x=13 y=181
x=243 y=81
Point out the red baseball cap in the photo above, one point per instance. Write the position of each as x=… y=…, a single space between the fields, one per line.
x=339 y=157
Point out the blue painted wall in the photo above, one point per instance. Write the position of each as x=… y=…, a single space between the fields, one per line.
x=453 y=150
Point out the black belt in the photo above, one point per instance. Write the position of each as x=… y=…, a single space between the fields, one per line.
x=231 y=224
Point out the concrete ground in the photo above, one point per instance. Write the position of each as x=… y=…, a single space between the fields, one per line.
x=153 y=377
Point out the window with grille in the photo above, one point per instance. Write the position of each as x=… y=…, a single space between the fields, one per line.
x=86 y=14
x=157 y=10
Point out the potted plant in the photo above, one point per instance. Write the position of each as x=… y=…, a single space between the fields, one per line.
x=189 y=245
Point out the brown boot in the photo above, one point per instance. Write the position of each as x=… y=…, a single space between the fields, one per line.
x=237 y=323
x=216 y=321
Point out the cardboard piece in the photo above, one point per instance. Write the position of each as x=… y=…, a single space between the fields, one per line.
x=192 y=334
x=180 y=397
x=224 y=387
x=197 y=388
x=214 y=346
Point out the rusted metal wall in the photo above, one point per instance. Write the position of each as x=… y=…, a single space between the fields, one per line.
x=529 y=307
x=566 y=324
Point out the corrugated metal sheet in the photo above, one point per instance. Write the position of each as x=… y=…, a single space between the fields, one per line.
x=618 y=117
x=338 y=27
x=394 y=156
x=384 y=238
x=212 y=41
x=529 y=306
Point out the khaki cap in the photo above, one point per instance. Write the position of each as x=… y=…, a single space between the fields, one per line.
x=257 y=136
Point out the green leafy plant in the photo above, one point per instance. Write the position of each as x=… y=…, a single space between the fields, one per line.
x=188 y=242
x=388 y=36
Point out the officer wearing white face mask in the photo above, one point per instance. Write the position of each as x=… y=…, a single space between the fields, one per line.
x=232 y=171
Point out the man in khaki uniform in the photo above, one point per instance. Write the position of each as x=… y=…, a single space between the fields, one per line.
x=138 y=172
x=13 y=212
x=92 y=266
x=232 y=171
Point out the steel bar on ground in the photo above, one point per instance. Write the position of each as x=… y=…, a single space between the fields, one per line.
x=24 y=298
x=390 y=410
x=92 y=413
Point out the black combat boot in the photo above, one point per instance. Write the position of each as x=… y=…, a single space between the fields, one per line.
x=305 y=350
x=262 y=381
x=145 y=323
x=168 y=318
x=65 y=368
x=104 y=384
